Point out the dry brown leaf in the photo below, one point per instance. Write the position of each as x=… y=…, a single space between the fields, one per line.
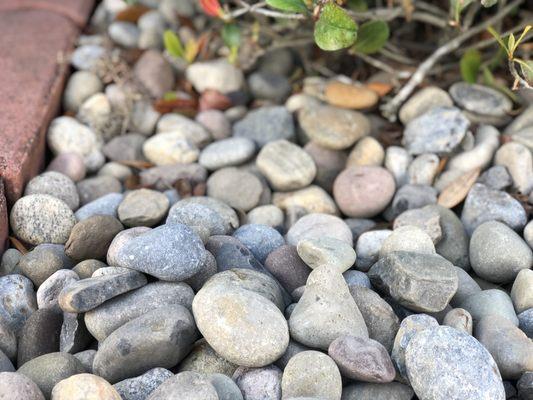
x=132 y=13
x=137 y=164
x=442 y=164
x=181 y=106
x=456 y=191
x=18 y=245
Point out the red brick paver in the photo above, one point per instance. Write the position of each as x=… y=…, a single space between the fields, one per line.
x=35 y=38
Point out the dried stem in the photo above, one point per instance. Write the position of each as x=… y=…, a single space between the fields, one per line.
x=390 y=109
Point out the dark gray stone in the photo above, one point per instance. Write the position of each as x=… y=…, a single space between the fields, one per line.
x=86 y=268
x=17 y=301
x=230 y=253
x=444 y=363
x=269 y=86
x=489 y=302
x=86 y=357
x=5 y=363
x=265 y=125
x=87 y=294
x=226 y=388
x=169 y=252
x=74 y=336
x=8 y=340
x=140 y=387
x=45 y=259
x=261 y=240
x=525 y=322
x=421 y=282
x=524 y=386
x=39 y=335
x=409 y=197
x=287 y=267
x=9 y=262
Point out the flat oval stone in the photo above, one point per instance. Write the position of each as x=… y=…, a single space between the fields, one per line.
x=241 y=325
x=169 y=252
x=443 y=363
x=333 y=128
x=186 y=385
x=77 y=386
x=265 y=124
x=407 y=238
x=15 y=386
x=521 y=292
x=111 y=315
x=439 y=131
x=286 y=165
x=311 y=374
x=362 y=359
x=326 y=251
x=105 y=205
x=87 y=294
x=41 y=218
x=170 y=148
x=355 y=97
x=326 y=310
x=159 y=338
x=261 y=240
x=481 y=99
x=227 y=152
x=363 y=191
x=49 y=369
x=237 y=188
x=48 y=292
x=490 y=302
x=422 y=101
x=18 y=301
x=497 y=253
x=140 y=387
x=287 y=267
x=316 y=225
x=120 y=240
x=226 y=212
x=421 y=282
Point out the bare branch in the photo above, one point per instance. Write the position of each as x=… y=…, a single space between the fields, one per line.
x=390 y=109
x=258 y=8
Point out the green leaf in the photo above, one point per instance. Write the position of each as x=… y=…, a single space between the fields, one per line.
x=173 y=44
x=527 y=69
x=470 y=65
x=511 y=43
x=334 y=29
x=357 y=5
x=499 y=39
x=231 y=35
x=297 y=6
x=488 y=3
x=457 y=7
x=372 y=36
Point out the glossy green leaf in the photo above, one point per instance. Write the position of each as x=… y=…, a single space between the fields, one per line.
x=297 y=6
x=470 y=65
x=372 y=36
x=173 y=44
x=334 y=29
x=527 y=69
x=231 y=35
x=499 y=39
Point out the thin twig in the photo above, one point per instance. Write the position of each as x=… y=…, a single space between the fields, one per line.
x=490 y=41
x=390 y=109
x=258 y=8
x=384 y=67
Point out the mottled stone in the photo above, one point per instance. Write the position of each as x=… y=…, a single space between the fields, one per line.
x=326 y=251
x=15 y=386
x=426 y=218
x=8 y=340
x=39 y=335
x=54 y=184
x=312 y=374
x=111 y=315
x=78 y=387
x=203 y=359
x=422 y=101
x=227 y=152
x=18 y=301
x=409 y=197
x=377 y=391
x=9 y=262
x=142 y=207
x=186 y=385
x=407 y=238
x=231 y=253
x=105 y=205
x=459 y=319
x=261 y=240
x=481 y=99
x=317 y=225
x=259 y=383
x=421 y=282
x=237 y=188
x=140 y=387
x=91 y=189
x=45 y=259
x=266 y=124
x=159 y=338
x=155 y=73
x=41 y=218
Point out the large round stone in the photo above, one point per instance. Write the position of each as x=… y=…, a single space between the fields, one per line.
x=77 y=387
x=15 y=386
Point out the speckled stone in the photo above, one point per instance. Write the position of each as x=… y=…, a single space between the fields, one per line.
x=9 y=262
x=91 y=189
x=169 y=252
x=377 y=391
x=41 y=218
x=54 y=184
x=237 y=188
x=140 y=387
x=8 y=340
x=311 y=374
x=187 y=385
x=231 y=253
x=439 y=131
x=444 y=363
x=203 y=359
x=159 y=338
x=231 y=220
x=105 y=205
x=77 y=387
x=259 y=383
x=203 y=220
x=266 y=124
x=45 y=259
x=18 y=301
x=111 y=315
x=15 y=386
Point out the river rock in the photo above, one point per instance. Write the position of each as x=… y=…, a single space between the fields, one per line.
x=287 y=267
x=265 y=125
x=227 y=213
x=67 y=135
x=519 y=163
x=377 y=391
x=231 y=253
x=328 y=163
x=93 y=188
x=459 y=319
x=312 y=199
x=8 y=340
x=217 y=74
x=168 y=148
x=407 y=238
x=480 y=99
x=237 y=188
x=155 y=73
x=203 y=359
x=169 y=252
x=326 y=310
x=80 y=86
x=368 y=247
x=49 y=369
x=142 y=207
x=426 y=218
x=362 y=359
x=311 y=374
x=421 y=282
x=286 y=165
x=422 y=101
x=252 y=323
x=45 y=259
x=490 y=302
x=444 y=363
x=397 y=160
x=497 y=253
x=269 y=215
x=226 y=388
x=326 y=251
x=18 y=301
x=363 y=192
x=41 y=218
x=509 y=346
x=186 y=385
x=379 y=317
x=140 y=387
x=54 y=184
x=216 y=122
x=259 y=383
x=77 y=387
x=440 y=130
x=15 y=386
x=333 y=128
x=203 y=220
x=521 y=292
x=159 y=338
x=39 y=335
x=105 y=205
x=227 y=152
x=484 y=204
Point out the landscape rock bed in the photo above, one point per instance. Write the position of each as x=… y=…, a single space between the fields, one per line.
x=272 y=244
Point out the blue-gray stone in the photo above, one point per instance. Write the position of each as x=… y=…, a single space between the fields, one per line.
x=230 y=253
x=105 y=205
x=438 y=131
x=357 y=278
x=17 y=302
x=140 y=387
x=197 y=215
x=5 y=364
x=261 y=240
x=525 y=322
x=444 y=364
x=169 y=252
x=265 y=125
